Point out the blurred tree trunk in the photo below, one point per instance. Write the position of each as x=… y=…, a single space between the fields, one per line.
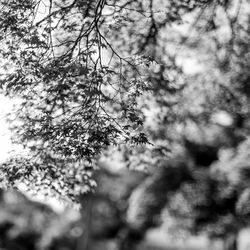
x=87 y=205
x=101 y=221
x=231 y=241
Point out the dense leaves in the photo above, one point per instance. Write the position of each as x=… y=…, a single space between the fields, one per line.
x=71 y=80
x=79 y=68
x=77 y=84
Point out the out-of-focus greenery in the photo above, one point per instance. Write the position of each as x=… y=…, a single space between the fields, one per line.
x=27 y=225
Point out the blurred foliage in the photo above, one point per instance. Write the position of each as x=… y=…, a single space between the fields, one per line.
x=27 y=225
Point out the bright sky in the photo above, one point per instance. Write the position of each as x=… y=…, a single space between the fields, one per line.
x=6 y=146
x=5 y=142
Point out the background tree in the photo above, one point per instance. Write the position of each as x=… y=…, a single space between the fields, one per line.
x=206 y=121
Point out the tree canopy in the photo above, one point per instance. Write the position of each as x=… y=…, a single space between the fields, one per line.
x=79 y=70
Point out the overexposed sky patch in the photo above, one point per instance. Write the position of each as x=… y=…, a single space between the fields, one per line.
x=5 y=143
